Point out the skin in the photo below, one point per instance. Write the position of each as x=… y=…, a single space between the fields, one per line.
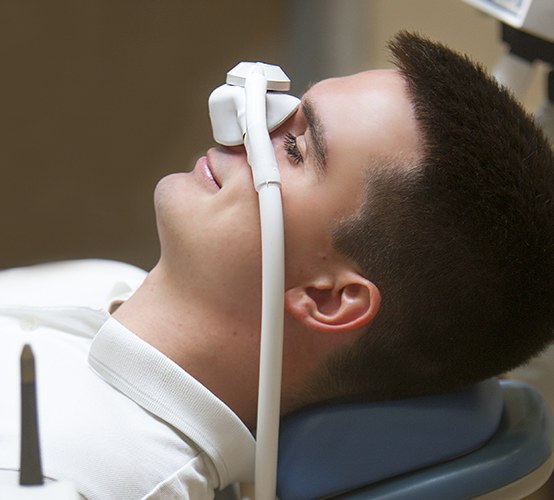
x=200 y=304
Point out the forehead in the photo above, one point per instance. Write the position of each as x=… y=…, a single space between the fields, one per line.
x=369 y=114
x=363 y=81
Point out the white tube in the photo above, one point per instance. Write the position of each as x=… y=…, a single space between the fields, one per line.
x=256 y=140
x=271 y=342
x=261 y=158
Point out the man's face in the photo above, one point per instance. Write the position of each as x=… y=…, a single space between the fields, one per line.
x=209 y=218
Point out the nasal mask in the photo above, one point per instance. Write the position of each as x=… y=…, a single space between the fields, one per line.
x=244 y=111
x=251 y=104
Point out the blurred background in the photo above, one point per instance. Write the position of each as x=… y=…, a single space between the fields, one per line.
x=100 y=99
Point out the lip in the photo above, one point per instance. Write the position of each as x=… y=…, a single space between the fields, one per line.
x=203 y=169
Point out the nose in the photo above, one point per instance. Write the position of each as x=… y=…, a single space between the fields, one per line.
x=227 y=156
x=238 y=150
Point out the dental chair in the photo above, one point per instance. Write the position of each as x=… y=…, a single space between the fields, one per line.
x=494 y=440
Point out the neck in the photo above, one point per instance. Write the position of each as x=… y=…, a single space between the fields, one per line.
x=215 y=349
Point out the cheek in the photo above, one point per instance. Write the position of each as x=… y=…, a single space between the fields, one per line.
x=307 y=241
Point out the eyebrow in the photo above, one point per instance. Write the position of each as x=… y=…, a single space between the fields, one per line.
x=317 y=134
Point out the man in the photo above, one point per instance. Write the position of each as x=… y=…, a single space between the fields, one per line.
x=419 y=227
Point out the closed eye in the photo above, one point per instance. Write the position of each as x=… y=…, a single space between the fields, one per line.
x=291 y=147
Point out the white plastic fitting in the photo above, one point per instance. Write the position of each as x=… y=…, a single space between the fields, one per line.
x=227 y=103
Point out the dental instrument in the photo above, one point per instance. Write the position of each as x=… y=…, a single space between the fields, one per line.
x=527 y=29
x=31 y=481
x=30 y=471
x=532 y=16
x=243 y=111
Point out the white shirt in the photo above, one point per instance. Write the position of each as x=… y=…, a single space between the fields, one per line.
x=116 y=417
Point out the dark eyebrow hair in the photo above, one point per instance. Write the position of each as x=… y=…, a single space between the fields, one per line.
x=317 y=134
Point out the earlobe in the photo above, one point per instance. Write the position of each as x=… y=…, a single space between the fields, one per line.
x=346 y=306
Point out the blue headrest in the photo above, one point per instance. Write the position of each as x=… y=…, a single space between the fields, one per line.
x=329 y=450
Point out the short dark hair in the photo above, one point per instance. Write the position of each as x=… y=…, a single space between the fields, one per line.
x=461 y=246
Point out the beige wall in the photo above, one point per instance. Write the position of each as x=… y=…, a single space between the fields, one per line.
x=101 y=98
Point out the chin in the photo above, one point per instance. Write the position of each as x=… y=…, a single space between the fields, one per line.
x=167 y=185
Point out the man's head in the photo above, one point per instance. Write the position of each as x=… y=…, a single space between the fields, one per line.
x=461 y=247
x=418 y=228
x=210 y=232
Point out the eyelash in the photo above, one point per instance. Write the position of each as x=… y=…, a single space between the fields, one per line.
x=291 y=147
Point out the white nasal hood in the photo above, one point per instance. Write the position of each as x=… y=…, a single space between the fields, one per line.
x=227 y=104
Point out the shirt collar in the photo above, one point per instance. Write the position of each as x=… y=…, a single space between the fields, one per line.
x=160 y=386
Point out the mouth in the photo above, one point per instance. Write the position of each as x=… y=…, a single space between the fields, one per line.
x=208 y=177
x=211 y=175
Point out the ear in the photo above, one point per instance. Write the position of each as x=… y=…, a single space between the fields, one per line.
x=345 y=305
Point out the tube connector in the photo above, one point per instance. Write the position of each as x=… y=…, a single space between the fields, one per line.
x=276 y=78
